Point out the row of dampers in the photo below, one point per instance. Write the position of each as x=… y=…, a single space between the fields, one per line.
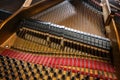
x=36 y=38
x=69 y=33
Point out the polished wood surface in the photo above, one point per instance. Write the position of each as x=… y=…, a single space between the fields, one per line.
x=114 y=35
x=35 y=1
x=27 y=3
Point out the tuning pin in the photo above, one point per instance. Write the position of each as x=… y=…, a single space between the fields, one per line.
x=19 y=74
x=27 y=64
x=35 y=78
x=51 y=70
x=78 y=75
x=68 y=73
x=0 y=74
x=12 y=73
x=41 y=76
x=14 y=60
x=3 y=63
x=83 y=79
x=10 y=66
x=5 y=68
x=73 y=78
x=60 y=71
x=15 y=63
x=87 y=77
x=30 y=68
x=17 y=68
x=27 y=77
x=97 y=78
x=46 y=72
x=25 y=71
x=55 y=74
x=21 y=62
x=7 y=57
x=33 y=74
x=43 y=68
x=22 y=66
x=6 y=73
x=11 y=70
x=35 y=65
x=63 y=77
x=13 y=76
x=38 y=70
x=6 y=78
x=49 y=78
x=1 y=56
x=21 y=78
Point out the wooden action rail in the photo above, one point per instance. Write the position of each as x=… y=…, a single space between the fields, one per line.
x=38 y=42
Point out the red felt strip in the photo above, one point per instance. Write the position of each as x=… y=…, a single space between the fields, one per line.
x=58 y=62
x=64 y=61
